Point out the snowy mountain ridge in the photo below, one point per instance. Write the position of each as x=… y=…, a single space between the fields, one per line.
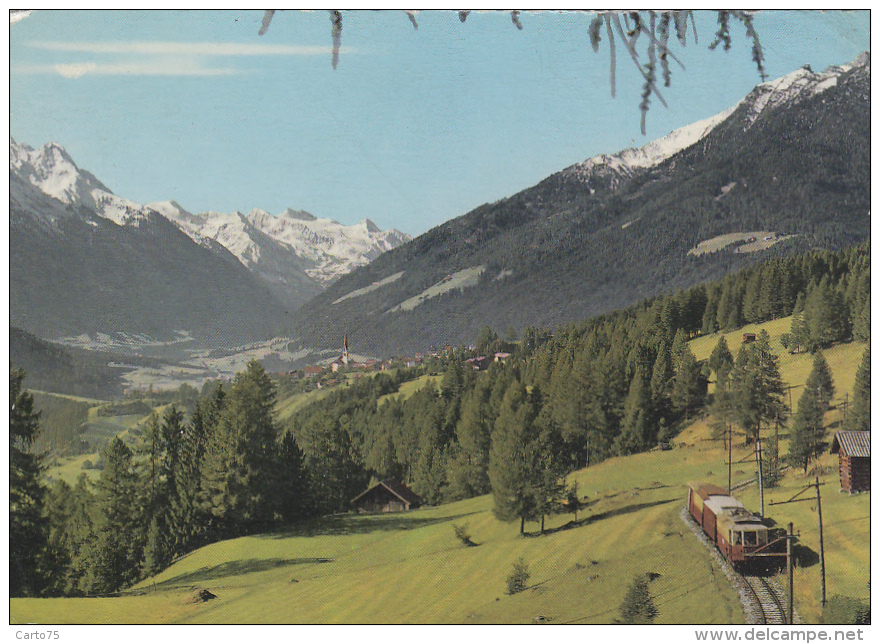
x=289 y=250
x=794 y=86
x=325 y=249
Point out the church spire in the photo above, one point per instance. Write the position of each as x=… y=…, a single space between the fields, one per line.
x=345 y=349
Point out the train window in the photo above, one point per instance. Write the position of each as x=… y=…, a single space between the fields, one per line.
x=762 y=538
x=750 y=538
x=736 y=539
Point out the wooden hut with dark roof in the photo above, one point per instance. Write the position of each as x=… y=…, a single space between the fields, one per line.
x=853 y=450
x=389 y=495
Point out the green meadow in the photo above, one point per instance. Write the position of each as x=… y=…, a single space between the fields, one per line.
x=411 y=568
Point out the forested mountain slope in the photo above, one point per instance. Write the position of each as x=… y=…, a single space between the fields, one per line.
x=791 y=160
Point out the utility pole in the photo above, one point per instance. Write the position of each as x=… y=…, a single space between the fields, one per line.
x=821 y=539
x=760 y=472
x=790 y=573
x=795 y=499
x=729 y=456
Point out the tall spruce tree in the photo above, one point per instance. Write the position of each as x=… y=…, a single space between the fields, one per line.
x=858 y=417
x=689 y=388
x=27 y=532
x=756 y=387
x=821 y=380
x=116 y=551
x=638 y=429
x=806 y=440
x=512 y=458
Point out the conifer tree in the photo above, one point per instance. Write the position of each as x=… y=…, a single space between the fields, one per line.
x=825 y=316
x=116 y=551
x=721 y=360
x=756 y=387
x=821 y=381
x=78 y=538
x=469 y=474
x=637 y=431
x=27 y=534
x=858 y=417
x=689 y=390
x=807 y=432
x=771 y=463
x=512 y=458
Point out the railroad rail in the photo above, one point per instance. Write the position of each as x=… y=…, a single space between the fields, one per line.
x=769 y=602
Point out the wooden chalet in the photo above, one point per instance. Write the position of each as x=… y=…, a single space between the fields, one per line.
x=387 y=496
x=853 y=450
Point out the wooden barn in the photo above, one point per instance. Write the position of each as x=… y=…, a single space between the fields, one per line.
x=387 y=496
x=749 y=337
x=853 y=450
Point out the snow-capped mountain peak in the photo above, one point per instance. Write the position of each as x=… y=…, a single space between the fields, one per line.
x=795 y=86
x=52 y=170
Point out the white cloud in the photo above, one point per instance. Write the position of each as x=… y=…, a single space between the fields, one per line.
x=17 y=15
x=166 y=48
x=157 y=67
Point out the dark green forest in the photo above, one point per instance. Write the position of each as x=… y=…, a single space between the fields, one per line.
x=618 y=383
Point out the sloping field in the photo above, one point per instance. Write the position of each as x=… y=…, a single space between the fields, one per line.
x=460 y=280
x=761 y=239
x=410 y=568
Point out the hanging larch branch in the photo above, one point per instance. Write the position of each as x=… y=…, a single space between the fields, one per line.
x=514 y=16
x=649 y=79
x=267 y=19
x=636 y=24
x=336 y=33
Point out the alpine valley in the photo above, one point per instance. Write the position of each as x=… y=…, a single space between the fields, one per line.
x=785 y=170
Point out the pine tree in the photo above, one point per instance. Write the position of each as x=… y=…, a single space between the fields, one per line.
x=771 y=463
x=821 y=380
x=721 y=360
x=638 y=430
x=861 y=323
x=858 y=416
x=78 y=539
x=756 y=387
x=469 y=474
x=27 y=533
x=807 y=432
x=512 y=458
x=115 y=554
x=689 y=390
x=243 y=454
x=825 y=315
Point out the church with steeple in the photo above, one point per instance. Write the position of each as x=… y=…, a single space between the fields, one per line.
x=344 y=357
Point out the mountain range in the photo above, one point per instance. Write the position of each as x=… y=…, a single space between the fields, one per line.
x=784 y=170
x=90 y=264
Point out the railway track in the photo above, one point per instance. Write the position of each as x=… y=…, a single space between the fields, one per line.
x=769 y=602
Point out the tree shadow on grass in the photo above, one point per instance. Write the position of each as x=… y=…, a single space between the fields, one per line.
x=235 y=568
x=351 y=523
x=602 y=515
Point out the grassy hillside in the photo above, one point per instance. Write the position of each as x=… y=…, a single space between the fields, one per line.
x=410 y=568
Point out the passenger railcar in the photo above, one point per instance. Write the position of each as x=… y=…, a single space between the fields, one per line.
x=740 y=536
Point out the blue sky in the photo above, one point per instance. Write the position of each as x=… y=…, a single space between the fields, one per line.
x=413 y=128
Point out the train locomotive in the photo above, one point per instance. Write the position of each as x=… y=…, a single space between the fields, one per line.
x=740 y=536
